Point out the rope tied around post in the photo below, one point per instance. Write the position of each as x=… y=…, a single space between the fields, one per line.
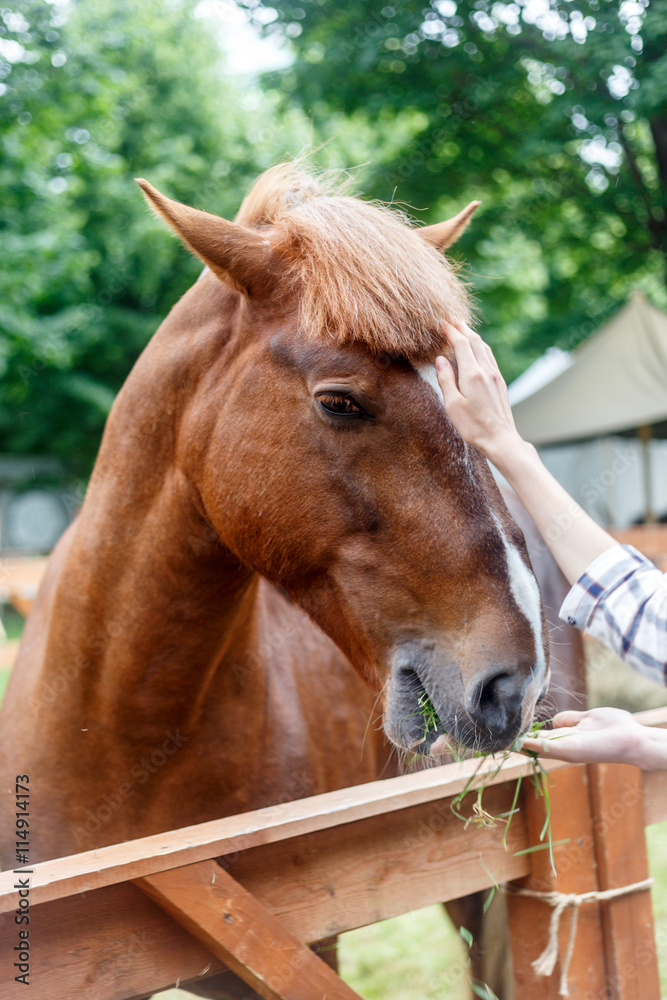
x=545 y=964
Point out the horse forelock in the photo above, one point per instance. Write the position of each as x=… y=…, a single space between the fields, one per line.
x=360 y=270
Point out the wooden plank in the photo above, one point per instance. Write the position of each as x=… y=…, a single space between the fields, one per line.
x=21 y=603
x=108 y=944
x=576 y=873
x=20 y=577
x=244 y=934
x=120 y=862
x=148 y=855
x=335 y=880
x=328 y=881
x=79 y=948
x=655 y=786
x=620 y=846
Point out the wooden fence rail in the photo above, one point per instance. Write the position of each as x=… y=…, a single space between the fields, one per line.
x=248 y=892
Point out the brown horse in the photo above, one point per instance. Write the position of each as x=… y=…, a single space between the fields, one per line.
x=282 y=536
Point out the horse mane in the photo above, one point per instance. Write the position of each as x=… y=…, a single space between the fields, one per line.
x=360 y=270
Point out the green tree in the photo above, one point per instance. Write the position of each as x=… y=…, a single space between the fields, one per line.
x=553 y=113
x=93 y=94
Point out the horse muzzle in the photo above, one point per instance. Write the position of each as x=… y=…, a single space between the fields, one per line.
x=431 y=708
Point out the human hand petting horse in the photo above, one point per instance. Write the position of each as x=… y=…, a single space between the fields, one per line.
x=478 y=406
x=476 y=400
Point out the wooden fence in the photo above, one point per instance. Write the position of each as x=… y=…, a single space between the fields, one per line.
x=248 y=892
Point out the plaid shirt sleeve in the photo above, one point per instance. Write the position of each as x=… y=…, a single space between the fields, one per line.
x=621 y=600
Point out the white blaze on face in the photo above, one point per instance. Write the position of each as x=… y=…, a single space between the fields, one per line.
x=430 y=376
x=526 y=594
x=523 y=584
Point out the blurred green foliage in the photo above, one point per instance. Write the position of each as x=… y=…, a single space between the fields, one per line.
x=554 y=114
x=95 y=93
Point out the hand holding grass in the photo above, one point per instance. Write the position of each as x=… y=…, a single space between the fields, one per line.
x=601 y=735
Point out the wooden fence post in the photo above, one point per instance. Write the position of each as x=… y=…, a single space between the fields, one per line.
x=620 y=847
x=529 y=919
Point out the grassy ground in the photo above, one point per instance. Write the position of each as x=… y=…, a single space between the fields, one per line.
x=418 y=956
x=657 y=852
x=12 y=622
x=4 y=680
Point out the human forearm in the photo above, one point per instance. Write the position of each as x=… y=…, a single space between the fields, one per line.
x=572 y=535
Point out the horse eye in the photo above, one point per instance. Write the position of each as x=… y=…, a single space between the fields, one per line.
x=339 y=406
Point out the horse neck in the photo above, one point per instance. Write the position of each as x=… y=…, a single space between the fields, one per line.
x=148 y=604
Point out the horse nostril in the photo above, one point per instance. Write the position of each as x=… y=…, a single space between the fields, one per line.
x=495 y=701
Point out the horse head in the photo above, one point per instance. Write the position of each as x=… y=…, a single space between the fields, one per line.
x=323 y=457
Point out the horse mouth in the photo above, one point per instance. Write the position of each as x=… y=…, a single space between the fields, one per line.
x=421 y=722
x=421 y=729
x=412 y=720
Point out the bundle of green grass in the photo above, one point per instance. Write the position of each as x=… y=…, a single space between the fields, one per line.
x=478 y=781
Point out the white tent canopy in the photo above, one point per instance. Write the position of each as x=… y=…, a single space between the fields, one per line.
x=617 y=381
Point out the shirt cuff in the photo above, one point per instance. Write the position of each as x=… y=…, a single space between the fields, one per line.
x=602 y=576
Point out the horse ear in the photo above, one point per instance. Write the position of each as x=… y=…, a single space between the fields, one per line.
x=241 y=257
x=443 y=234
